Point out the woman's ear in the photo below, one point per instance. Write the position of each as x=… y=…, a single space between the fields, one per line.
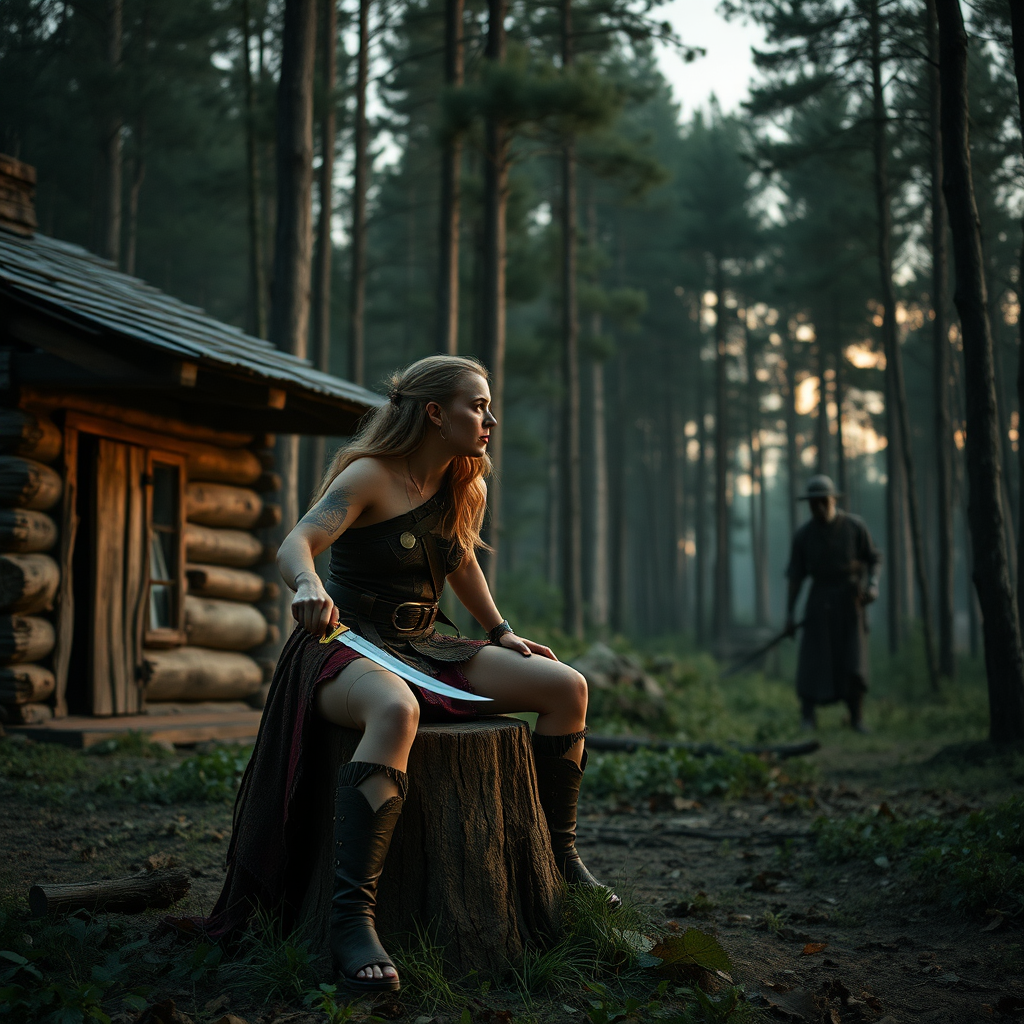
x=433 y=410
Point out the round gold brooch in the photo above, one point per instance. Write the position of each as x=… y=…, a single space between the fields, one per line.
x=407 y=540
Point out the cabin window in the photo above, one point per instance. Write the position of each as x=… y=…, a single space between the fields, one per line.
x=164 y=615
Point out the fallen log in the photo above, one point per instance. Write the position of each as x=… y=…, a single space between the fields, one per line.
x=237 y=466
x=222 y=581
x=630 y=744
x=25 y=684
x=26 y=714
x=223 y=625
x=222 y=547
x=30 y=436
x=129 y=895
x=25 y=483
x=197 y=673
x=28 y=583
x=24 y=532
x=24 y=638
x=209 y=504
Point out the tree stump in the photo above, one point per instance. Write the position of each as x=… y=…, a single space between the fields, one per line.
x=470 y=860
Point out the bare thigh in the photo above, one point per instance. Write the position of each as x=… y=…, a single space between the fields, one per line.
x=552 y=689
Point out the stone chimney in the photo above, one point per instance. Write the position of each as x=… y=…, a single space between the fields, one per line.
x=17 y=191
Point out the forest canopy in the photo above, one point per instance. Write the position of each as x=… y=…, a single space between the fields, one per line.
x=734 y=323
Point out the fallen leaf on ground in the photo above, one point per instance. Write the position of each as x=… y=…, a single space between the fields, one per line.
x=813 y=947
x=164 y=1013
x=221 y=1002
x=796 y=1004
x=997 y=921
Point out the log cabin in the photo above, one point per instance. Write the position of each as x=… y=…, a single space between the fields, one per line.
x=137 y=496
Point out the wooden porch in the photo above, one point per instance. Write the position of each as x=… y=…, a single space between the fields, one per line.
x=178 y=725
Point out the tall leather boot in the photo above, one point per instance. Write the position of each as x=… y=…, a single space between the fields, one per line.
x=362 y=837
x=558 y=783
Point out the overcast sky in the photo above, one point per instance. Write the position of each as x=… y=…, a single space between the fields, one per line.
x=725 y=71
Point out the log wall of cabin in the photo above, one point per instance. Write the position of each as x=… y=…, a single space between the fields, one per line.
x=228 y=631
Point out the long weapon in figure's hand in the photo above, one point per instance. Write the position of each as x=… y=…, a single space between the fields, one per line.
x=761 y=651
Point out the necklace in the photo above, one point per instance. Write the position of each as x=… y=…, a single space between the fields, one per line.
x=408 y=470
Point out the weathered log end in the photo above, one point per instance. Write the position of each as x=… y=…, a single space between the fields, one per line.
x=129 y=895
x=470 y=860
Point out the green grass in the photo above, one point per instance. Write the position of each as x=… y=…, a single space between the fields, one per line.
x=969 y=863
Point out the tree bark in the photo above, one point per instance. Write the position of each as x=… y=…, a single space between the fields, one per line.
x=893 y=354
x=257 y=315
x=722 y=611
x=599 y=594
x=222 y=581
x=701 y=511
x=1004 y=662
x=497 y=146
x=757 y=491
x=138 y=176
x=324 y=244
x=112 y=143
x=941 y=369
x=1017 y=32
x=821 y=433
x=360 y=183
x=451 y=189
x=791 y=456
x=572 y=503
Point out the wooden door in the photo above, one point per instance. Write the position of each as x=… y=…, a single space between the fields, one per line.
x=119 y=588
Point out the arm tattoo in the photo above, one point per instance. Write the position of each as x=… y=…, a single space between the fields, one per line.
x=329 y=513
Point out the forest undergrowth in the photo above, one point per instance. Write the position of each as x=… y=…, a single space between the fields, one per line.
x=913 y=815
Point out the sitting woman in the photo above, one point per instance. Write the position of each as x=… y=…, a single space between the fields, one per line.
x=401 y=509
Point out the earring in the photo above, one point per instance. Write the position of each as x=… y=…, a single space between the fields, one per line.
x=440 y=429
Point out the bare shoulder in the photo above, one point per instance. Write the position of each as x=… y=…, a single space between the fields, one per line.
x=348 y=495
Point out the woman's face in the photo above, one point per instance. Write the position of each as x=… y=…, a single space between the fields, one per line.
x=467 y=421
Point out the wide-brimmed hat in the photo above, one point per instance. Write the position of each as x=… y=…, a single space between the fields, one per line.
x=819 y=486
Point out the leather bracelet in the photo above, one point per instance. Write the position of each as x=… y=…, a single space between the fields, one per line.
x=495 y=634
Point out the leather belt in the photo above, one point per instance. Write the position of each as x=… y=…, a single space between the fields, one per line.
x=402 y=616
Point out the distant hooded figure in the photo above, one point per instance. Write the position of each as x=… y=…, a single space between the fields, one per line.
x=835 y=549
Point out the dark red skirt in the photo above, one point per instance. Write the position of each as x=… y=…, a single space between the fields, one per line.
x=269 y=861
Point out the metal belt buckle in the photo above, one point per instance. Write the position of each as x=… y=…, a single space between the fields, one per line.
x=424 y=617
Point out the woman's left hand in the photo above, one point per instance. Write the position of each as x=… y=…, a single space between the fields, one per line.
x=525 y=647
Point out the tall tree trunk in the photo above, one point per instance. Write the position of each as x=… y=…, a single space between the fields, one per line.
x=701 y=511
x=495 y=252
x=599 y=593
x=821 y=433
x=894 y=356
x=324 y=244
x=1004 y=661
x=451 y=184
x=293 y=242
x=838 y=386
x=360 y=183
x=940 y=357
x=1017 y=31
x=112 y=142
x=138 y=176
x=572 y=503
x=757 y=494
x=257 y=315
x=792 y=461
x=722 y=609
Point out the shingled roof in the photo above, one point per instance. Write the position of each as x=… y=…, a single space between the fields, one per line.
x=101 y=330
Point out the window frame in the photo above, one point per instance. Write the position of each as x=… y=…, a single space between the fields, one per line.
x=164 y=636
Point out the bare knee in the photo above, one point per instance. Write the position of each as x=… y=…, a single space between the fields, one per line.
x=399 y=716
x=573 y=692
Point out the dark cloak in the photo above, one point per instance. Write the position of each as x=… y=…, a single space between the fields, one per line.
x=839 y=557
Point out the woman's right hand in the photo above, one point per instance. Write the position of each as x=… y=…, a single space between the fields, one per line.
x=312 y=607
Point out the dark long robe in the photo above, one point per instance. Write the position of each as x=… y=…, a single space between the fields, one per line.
x=839 y=557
